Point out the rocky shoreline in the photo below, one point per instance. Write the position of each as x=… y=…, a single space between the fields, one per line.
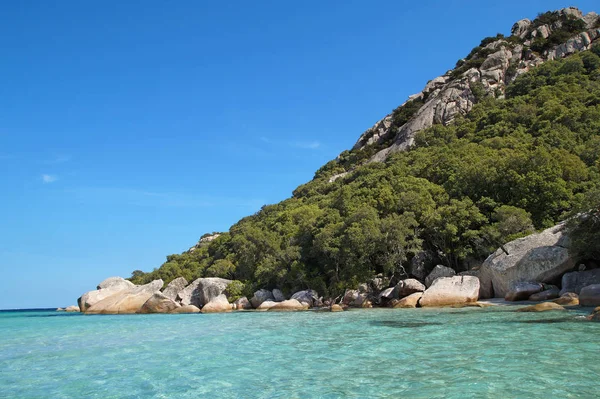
x=526 y=269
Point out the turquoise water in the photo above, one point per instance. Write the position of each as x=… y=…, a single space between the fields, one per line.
x=399 y=353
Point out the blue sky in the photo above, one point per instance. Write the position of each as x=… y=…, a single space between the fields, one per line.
x=128 y=129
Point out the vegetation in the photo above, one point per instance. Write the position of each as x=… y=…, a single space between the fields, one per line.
x=564 y=27
x=507 y=168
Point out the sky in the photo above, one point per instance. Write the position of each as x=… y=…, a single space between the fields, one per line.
x=128 y=129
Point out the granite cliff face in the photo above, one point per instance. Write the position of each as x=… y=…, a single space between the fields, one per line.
x=486 y=71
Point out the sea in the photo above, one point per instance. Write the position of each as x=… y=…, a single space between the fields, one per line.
x=371 y=353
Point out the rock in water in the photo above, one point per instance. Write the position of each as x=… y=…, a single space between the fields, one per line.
x=575 y=281
x=349 y=297
x=336 y=308
x=541 y=307
x=186 y=309
x=451 y=291
x=590 y=295
x=538 y=257
x=595 y=315
x=218 y=304
x=409 y=301
x=108 y=287
x=437 y=272
x=126 y=301
x=546 y=295
x=203 y=290
x=522 y=290
x=174 y=287
x=242 y=304
x=72 y=308
x=289 y=305
x=308 y=297
x=159 y=303
x=261 y=296
x=408 y=287
x=266 y=305
x=568 y=299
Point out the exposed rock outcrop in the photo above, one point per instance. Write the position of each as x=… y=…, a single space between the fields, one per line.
x=126 y=301
x=575 y=281
x=540 y=257
x=72 y=308
x=451 y=291
x=437 y=272
x=452 y=94
x=174 y=287
x=159 y=303
x=106 y=288
x=266 y=305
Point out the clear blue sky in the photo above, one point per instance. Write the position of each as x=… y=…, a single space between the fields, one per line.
x=130 y=128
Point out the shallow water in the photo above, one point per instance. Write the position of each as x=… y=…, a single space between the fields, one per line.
x=378 y=353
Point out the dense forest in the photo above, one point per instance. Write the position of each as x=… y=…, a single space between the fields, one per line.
x=513 y=165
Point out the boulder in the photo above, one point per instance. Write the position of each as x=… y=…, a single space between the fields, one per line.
x=409 y=301
x=387 y=294
x=108 y=287
x=408 y=287
x=485 y=287
x=174 y=287
x=72 y=308
x=349 y=297
x=361 y=301
x=186 y=309
x=218 y=304
x=266 y=305
x=421 y=263
x=541 y=307
x=289 y=305
x=336 y=308
x=261 y=296
x=211 y=288
x=551 y=293
x=242 y=304
x=439 y=271
x=568 y=299
x=590 y=295
x=522 y=290
x=126 y=301
x=520 y=28
x=60 y=309
x=278 y=295
x=575 y=281
x=159 y=303
x=595 y=315
x=309 y=297
x=451 y=291
x=539 y=257
x=202 y=291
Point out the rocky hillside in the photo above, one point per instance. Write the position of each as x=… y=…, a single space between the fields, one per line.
x=488 y=69
x=505 y=144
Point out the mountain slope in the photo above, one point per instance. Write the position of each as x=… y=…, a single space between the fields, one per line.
x=503 y=157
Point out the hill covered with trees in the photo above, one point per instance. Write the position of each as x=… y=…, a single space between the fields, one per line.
x=524 y=157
